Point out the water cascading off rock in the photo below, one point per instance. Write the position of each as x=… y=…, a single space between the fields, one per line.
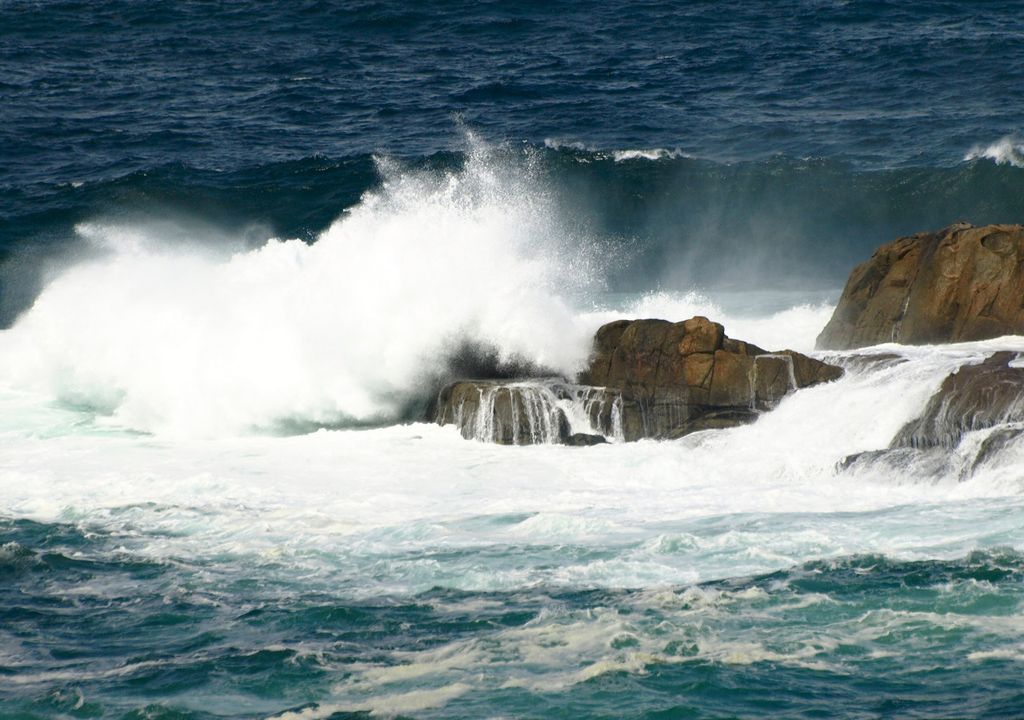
x=645 y=379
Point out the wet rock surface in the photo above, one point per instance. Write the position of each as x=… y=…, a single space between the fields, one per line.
x=645 y=379
x=987 y=396
x=526 y=413
x=677 y=378
x=959 y=284
x=973 y=398
x=865 y=361
x=585 y=439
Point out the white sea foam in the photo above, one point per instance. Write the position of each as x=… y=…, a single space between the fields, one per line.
x=647 y=154
x=337 y=499
x=1006 y=150
x=623 y=155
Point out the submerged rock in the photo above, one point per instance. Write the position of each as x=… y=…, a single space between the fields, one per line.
x=859 y=362
x=988 y=396
x=585 y=439
x=997 y=441
x=959 y=284
x=899 y=462
x=973 y=398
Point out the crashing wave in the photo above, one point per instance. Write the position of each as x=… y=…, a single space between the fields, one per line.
x=1006 y=151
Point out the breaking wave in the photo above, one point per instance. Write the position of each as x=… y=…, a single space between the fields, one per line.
x=182 y=338
x=1006 y=151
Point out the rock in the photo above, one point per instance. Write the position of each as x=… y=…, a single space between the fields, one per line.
x=645 y=379
x=973 y=398
x=715 y=420
x=523 y=413
x=664 y=380
x=877 y=361
x=809 y=371
x=585 y=439
x=959 y=284
x=898 y=462
x=1000 y=439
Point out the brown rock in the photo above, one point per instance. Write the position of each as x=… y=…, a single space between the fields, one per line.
x=665 y=379
x=605 y=341
x=810 y=371
x=697 y=373
x=732 y=380
x=974 y=397
x=503 y=413
x=645 y=379
x=636 y=358
x=958 y=284
x=743 y=348
x=701 y=336
x=773 y=378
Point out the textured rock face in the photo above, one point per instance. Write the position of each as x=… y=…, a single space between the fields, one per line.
x=959 y=284
x=524 y=413
x=645 y=379
x=973 y=398
x=665 y=380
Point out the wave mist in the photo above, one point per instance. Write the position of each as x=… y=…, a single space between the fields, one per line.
x=346 y=330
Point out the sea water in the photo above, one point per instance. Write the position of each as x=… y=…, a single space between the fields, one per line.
x=242 y=247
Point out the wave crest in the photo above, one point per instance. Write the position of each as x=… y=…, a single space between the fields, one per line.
x=1006 y=151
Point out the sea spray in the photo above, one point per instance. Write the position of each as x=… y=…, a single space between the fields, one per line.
x=1008 y=150
x=348 y=329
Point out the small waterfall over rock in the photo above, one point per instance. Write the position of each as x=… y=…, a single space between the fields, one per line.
x=973 y=398
x=976 y=413
x=513 y=413
x=532 y=412
x=645 y=379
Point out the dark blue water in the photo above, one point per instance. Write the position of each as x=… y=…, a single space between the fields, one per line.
x=94 y=92
x=708 y=145
x=813 y=130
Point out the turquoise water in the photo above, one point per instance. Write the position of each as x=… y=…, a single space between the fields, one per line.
x=92 y=629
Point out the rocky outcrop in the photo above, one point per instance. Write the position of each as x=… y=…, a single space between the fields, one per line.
x=959 y=284
x=975 y=397
x=645 y=379
x=665 y=380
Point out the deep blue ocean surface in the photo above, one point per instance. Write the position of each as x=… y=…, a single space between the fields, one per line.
x=798 y=135
x=158 y=562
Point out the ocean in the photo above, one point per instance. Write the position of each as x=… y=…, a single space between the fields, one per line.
x=243 y=244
